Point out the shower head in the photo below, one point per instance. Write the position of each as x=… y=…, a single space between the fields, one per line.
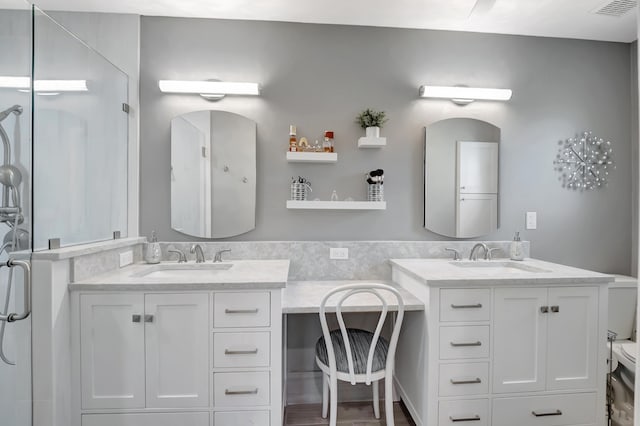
x=16 y=109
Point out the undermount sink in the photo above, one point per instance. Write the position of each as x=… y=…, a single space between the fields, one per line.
x=498 y=266
x=182 y=270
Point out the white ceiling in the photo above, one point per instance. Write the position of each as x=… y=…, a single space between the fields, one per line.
x=548 y=18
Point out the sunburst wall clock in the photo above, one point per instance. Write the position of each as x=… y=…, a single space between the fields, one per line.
x=584 y=162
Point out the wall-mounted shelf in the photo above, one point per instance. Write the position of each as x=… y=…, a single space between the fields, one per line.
x=312 y=157
x=337 y=205
x=365 y=142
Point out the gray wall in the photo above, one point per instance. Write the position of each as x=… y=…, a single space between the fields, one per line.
x=320 y=76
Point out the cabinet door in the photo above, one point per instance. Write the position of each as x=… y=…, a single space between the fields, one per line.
x=519 y=339
x=177 y=350
x=572 y=343
x=112 y=350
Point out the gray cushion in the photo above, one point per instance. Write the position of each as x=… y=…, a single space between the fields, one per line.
x=360 y=341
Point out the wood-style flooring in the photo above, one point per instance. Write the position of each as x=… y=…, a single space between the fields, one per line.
x=349 y=414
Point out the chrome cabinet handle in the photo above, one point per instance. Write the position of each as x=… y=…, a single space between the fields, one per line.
x=474 y=306
x=148 y=318
x=245 y=352
x=456 y=344
x=555 y=309
x=253 y=391
x=241 y=311
x=544 y=309
x=465 y=419
x=548 y=413
x=136 y=318
x=465 y=381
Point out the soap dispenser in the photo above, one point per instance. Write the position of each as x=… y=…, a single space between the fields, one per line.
x=153 y=253
x=515 y=251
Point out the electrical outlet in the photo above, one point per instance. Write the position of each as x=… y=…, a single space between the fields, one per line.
x=341 y=253
x=126 y=258
x=532 y=220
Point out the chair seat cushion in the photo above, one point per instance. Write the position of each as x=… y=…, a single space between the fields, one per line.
x=360 y=341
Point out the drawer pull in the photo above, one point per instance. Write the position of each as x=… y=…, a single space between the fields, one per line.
x=241 y=352
x=136 y=318
x=253 y=391
x=548 y=413
x=241 y=311
x=465 y=381
x=475 y=418
x=474 y=306
x=544 y=309
x=148 y=318
x=456 y=344
x=555 y=309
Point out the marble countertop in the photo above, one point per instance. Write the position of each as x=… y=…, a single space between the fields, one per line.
x=304 y=297
x=439 y=272
x=243 y=274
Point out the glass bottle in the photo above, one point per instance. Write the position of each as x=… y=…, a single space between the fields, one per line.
x=327 y=145
x=293 y=141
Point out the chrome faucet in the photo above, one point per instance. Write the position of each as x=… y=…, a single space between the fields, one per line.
x=197 y=249
x=474 y=255
x=218 y=256
x=182 y=258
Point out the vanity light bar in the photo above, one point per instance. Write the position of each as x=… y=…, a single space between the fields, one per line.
x=465 y=94
x=209 y=87
x=24 y=83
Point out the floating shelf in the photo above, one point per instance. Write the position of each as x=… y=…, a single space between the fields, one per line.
x=337 y=205
x=312 y=157
x=365 y=142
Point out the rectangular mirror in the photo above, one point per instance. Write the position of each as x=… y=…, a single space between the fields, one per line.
x=213 y=174
x=461 y=177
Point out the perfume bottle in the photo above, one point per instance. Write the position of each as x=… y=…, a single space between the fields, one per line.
x=293 y=140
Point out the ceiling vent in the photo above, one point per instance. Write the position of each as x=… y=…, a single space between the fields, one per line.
x=616 y=7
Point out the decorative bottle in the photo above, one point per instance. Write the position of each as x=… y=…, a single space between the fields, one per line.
x=293 y=140
x=515 y=250
x=153 y=254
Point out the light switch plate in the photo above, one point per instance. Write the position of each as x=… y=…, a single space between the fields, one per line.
x=532 y=220
x=339 y=253
x=126 y=258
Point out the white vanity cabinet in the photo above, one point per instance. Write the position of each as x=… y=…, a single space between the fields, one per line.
x=144 y=350
x=501 y=353
x=195 y=358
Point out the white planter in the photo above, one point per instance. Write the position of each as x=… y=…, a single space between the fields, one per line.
x=372 y=132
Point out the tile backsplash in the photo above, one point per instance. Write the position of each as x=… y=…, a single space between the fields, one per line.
x=310 y=259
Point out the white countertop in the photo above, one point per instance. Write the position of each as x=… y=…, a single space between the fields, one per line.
x=244 y=274
x=304 y=297
x=445 y=272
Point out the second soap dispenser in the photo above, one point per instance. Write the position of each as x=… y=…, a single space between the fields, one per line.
x=153 y=254
x=515 y=250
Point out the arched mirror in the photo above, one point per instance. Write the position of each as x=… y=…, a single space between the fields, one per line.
x=213 y=174
x=461 y=177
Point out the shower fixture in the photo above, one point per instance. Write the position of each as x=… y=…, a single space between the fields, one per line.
x=10 y=175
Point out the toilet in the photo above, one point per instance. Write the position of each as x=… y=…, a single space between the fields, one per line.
x=623 y=293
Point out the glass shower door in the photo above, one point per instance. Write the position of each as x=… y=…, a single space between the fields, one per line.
x=15 y=194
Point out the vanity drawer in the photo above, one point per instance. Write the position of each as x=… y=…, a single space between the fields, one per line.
x=146 y=419
x=241 y=418
x=464 y=379
x=464 y=342
x=552 y=410
x=241 y=349
x=241 y=310
x=472 y=412
x=241 y=389
x=461 y=304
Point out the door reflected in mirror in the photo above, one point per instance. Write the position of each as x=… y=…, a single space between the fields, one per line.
x=213 y=174
x=461 y=177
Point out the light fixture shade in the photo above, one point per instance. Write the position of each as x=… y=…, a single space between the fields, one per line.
x=24 y=83
x=209 y=87
x=465 y=93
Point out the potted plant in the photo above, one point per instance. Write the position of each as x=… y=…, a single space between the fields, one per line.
x=371 y=121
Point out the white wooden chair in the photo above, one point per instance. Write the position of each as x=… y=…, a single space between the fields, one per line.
x=357 y=356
